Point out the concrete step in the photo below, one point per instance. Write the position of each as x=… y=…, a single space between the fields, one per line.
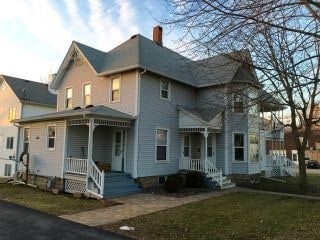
x=228 y=185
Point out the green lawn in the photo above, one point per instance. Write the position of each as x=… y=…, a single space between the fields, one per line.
x=291 y=185
x=47 y=201
x=233 y=216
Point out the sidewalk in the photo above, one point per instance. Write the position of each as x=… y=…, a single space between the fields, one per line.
x=136 y=205
x=141 y=204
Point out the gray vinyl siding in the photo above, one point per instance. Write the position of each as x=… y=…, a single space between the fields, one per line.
x=210 y=97
x=34 y=110
x=220 y=149
x=102 y=144
x=43 y=161
x=78 y=141
x=130 y=149
x=158 y=113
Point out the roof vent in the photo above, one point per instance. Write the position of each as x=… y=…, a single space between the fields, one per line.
x=157 y=35
x=76 y=108
x=133 y=36
x=89 y=106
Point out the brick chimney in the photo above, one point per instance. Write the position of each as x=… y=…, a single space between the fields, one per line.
x=157 y=35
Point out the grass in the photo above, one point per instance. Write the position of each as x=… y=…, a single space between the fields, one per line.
x=233 y=216
x=46 y=201
x=291 y=185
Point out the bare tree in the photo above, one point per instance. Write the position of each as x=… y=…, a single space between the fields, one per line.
x=282 y=37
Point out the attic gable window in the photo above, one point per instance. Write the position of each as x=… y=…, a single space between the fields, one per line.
x=86 y=94
x=115 y=89
x=165 y=89
x=238 y=104
x=69 y=98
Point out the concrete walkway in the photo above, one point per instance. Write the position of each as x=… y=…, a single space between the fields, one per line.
x=141 y=204
x=137 y=205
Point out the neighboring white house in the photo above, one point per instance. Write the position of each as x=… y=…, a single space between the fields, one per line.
x=19 y=98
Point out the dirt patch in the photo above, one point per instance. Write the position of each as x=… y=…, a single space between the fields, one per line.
x=185 y=192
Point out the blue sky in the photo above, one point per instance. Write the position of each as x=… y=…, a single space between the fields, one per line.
x=36 y=34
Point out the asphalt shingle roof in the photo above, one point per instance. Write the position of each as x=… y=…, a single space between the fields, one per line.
x=30 y=91
x=204 y=114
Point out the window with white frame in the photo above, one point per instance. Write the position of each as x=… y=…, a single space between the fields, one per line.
x=26 y=139
x=68 y=98
x=254 y=147
x=51 y=137
x=186 y=146
x=12 y=114
x=86 y=94
x=165 y=89
x=115 y=89
x=238 y=104
x=9 y=142
x=162 y=145
x=238 y=144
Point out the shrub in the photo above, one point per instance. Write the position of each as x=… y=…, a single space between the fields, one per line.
x=173 y=183
x=194 y=179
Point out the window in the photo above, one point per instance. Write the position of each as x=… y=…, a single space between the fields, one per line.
x=301 y=140
x=238 y=147
x=12 y=114
x=238 y=103
x=115 y=89
x=209 y=146
x=7 y=170
x=69 y=98
x=9 y=142
x=162 y=145
x=254 y=147
x=164 y=89
x=186 y=146
x=253 y=106
x=26 y=140
x=86 y=94
x=51 y=137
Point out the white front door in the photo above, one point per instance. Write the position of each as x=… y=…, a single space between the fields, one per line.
x=211 y=141
x=118 y=150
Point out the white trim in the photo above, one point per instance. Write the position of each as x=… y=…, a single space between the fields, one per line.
x=55 y=137
x=245 y=146
x=83 y=93
x=167 y=146
x=249 y=144
x=65 y=97
x=65 y=147
x=125 y=132
x=110 y=88
x=169 y=89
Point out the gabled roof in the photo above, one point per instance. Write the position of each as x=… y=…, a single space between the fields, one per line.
x=203 y=114
x=97 y=111
x=141 y=52
x=31 y=92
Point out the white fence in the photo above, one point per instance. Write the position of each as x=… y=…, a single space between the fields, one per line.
x=77 y=166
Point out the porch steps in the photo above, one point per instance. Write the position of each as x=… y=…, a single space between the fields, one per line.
x=119 y=184
x=226 y=182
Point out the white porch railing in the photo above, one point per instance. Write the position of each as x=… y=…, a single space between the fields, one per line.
x=201 y=165
x=97 y=176
x=77 y=166
x=284 y=164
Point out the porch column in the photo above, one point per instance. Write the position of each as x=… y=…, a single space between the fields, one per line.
x=205 y=134
x=90 y=138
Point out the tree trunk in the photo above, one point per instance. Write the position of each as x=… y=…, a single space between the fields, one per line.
x=302 y=171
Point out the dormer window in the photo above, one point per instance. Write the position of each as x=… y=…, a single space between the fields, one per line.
x=69 y=98
x=115 y=89
x=165 y=89
x=86 y=94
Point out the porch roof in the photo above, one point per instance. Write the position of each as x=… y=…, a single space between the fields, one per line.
x=200 y=117
x=94 y=111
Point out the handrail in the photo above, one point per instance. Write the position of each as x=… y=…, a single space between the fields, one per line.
x=97 y=177
x=77 y=166
x=214 y=172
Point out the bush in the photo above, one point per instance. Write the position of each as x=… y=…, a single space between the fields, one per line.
x=173 y=183
x=194 y=179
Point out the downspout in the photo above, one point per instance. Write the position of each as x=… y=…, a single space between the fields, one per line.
x=17 y=147
x=137 y=132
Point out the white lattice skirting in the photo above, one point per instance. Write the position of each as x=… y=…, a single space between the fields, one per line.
x=72 y=186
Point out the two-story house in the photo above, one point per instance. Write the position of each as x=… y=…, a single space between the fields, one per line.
x=19 y=98
x=143 y=111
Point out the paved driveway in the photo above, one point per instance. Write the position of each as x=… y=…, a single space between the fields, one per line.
x=18 y=222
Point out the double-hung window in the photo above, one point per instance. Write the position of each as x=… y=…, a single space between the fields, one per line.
x=162 y=145
x=9 y=142
x=238 y=104
x=26 y=140
x=115 y=89
x=86 y=94
x=164 y=89
x=68 y=98
x=12 y=114
x=51 y=137
x=238 y=145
